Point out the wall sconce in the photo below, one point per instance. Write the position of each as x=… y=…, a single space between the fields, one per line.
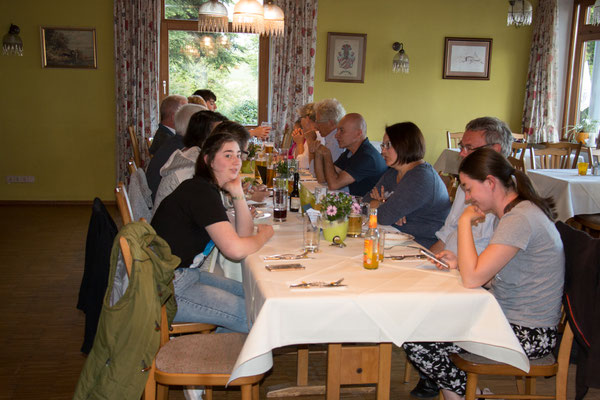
x=400 y=62
x=12 y=43
x=520 y=13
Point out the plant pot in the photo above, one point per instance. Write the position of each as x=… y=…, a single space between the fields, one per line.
x=335 y=228
x=582 y=137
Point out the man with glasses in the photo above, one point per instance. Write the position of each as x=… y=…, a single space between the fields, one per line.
x=328 y=114
x=480 y=132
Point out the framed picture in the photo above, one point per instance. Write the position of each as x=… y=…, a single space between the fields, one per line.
x=346 y=53
x=467 y=58
x=68 y=47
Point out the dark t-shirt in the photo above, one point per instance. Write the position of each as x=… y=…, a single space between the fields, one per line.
x=182 y=217
x=366 y=167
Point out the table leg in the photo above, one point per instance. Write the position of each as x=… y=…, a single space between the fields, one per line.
x=302 y=371
x=334 y=360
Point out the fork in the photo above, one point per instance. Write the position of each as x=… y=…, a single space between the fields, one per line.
x=287 y=256
x=318 y=284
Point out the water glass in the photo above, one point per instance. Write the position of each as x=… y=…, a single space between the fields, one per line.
x=320 y=193
x=312 y=232
x=280 y=199
x=381 y=243
x=354 y=225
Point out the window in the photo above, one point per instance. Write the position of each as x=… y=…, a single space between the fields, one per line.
x=233 y=65
x=582 y=97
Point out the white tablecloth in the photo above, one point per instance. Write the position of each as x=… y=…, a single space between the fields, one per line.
x=401 y=301
x=573 y=194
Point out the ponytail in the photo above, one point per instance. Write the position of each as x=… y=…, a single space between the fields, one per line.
x=484 y=162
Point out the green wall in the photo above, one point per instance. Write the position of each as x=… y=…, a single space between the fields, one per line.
x=57 y=124
x=422 y=96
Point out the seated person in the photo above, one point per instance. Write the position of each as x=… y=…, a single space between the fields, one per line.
x=166 y=127
x=182 y=118
x=193 y=215
x=359 y=167
x=182 y=163
x=195 y=99
x=410 y=195
x=523 y=263
x=307 y=129
x=328 y=113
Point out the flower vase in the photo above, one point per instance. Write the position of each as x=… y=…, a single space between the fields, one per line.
x=248 y=166
x=335 y=228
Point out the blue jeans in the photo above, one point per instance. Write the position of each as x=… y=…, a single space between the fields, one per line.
x=211 y=299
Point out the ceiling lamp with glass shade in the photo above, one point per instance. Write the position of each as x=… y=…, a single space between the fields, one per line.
x=248 y=16
x=274 y=19
x=212 y=17
x=595 y=17
x=520 y=13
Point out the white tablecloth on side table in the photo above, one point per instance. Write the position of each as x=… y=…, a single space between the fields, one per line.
x=574 y=194
x=401 y=301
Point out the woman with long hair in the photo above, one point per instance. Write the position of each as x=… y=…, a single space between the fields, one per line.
x=523 y=265
x=193 y=215
x=410 y=195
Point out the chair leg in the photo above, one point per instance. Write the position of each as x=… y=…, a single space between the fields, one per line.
x=208 y=392
x=471 y=386
x=408 y=367
x=256 y=391
x=150 y=388
x=246 y=392
x=162 y=392
x=530 y=385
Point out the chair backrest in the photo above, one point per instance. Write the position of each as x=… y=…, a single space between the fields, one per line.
x=451 y=183
x=592 y=152
x=452 y=139
x=131 y=166
x=135 y=146
x=518 y=136
x=558 y=155
x=147 y=148
x=123 y=203
x=517 y=155
x=286 y=140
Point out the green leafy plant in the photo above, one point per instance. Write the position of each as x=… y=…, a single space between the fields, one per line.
x=252 y=150
x=585 y=125
x=336 y=206
x=282 y=168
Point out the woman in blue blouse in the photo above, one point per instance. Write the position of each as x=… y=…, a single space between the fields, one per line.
x=410 y=195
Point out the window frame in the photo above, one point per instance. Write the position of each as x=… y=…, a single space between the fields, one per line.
x=167 y=25
x=580 y=33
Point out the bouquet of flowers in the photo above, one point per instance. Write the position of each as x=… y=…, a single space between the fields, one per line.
x=335 y=206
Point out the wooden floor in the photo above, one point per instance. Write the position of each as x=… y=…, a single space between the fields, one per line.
x=41 y=256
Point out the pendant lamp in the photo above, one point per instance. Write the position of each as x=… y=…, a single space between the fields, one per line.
x=248 y=16
x=520 y=13
x=212 y=17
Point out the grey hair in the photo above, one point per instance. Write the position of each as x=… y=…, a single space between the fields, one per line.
x=307 y=110
x=330 y=110
x=170 y=105
x=495 y=131
x=183 y=115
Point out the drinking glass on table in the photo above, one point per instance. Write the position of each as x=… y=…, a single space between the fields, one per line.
x=312 y=232
x=280 y=199
x=582 y=168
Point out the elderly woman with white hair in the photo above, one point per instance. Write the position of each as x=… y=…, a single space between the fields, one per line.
x=182 y=119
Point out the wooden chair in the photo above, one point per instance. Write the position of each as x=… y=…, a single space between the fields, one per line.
x=548 y=366
x=557 y=155
x=452 y=139
x=451 y=182
x=518 y=136
x=135 y=146
x=592 y=152
x=589 y=223
x=131 y=167
x=123 y=203
x=147 y=148
x=517 y=155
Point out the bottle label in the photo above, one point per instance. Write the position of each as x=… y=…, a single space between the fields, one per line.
x=370 y=256
x=295 y=203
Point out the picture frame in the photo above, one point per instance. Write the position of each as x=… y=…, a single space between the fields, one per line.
x=346 y=55
x=68 y=47
x=467 y=58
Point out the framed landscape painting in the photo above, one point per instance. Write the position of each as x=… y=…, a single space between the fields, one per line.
x=467 y=58
x=346 y=54
x=68 y=47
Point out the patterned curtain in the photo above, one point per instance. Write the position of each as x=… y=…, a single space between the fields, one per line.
x=539 y=119
x=137 y=25
x=293 y=66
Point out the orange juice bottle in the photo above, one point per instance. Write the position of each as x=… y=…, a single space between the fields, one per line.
x=371 y=252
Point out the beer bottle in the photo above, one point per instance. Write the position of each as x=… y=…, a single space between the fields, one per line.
x=295 y=195
x=371 y=253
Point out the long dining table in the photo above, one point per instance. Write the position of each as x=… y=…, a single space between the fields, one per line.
x=400 y=301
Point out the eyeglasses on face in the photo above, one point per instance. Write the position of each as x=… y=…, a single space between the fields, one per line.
x=469 y=148
x=386 y=145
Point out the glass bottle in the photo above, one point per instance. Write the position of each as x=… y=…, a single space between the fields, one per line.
x=371 y=252
x=295 y=195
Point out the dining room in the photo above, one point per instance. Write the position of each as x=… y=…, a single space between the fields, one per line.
x=67 y=142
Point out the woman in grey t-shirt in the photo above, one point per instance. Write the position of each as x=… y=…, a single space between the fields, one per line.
x=523 y=263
